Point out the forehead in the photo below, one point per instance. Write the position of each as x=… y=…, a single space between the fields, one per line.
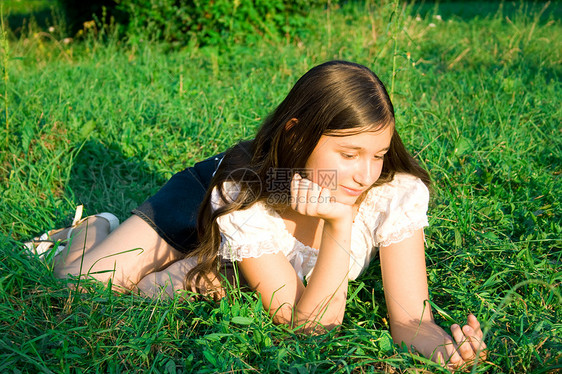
x=368 y=140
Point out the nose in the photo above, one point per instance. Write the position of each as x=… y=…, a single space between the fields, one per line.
x=365 y=173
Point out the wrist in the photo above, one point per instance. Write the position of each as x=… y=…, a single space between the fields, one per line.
x=336 y=235
x=340 y=221
x=339 y=225
x=424 y=336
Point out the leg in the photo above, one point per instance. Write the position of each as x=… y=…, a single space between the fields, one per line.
x=125 y=256
x=86 y=235
x=169 y=281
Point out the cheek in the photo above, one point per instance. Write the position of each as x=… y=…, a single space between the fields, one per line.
x=378 y=170
x=342 y=171
x=326 y=171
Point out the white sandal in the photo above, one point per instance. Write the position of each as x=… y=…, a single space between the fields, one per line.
x=42 y=245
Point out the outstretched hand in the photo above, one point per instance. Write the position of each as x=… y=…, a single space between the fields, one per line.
x=310 y=199
x=431 y=340
x=468 y=344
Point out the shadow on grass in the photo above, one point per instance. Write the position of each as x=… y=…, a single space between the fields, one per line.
x=103 y=179
x=70 y=15
x=19 y=22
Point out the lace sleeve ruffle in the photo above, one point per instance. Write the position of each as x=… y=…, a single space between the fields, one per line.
x=400 y=208
x=247 y=233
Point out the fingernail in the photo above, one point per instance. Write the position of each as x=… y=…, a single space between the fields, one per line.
x=298 y=176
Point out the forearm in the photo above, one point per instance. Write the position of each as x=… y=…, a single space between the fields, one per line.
x=323 y=300
x=416 y=328
x=406 y=293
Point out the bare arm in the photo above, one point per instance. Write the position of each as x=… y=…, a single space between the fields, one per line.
x=285 y=296
x=411 y=321
x=323 y=299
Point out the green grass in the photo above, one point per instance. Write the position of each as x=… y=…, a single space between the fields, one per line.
x=106 y=123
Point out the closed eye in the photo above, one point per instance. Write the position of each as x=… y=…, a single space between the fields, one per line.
x=347 y=156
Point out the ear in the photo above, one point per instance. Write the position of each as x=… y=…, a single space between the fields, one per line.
x=290 y=123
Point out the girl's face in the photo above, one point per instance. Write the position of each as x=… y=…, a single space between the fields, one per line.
x=349 y=165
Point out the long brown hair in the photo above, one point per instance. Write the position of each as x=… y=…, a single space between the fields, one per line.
x=336 y=95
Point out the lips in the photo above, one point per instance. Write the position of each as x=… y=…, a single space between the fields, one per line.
x=351 y=191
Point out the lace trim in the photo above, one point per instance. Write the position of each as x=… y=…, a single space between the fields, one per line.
x=404 y=233
x=389 y=203
x=254 y=250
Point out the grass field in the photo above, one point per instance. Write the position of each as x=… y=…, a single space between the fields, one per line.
x=103 y=122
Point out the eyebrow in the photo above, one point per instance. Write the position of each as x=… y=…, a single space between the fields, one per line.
x=357 y=148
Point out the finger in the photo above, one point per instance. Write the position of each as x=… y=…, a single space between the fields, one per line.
x=440 y=360
x=457 y=333
x=463 y=345
x=477 y=344
x=475 y=325
x=302 y=196
x=441 y=356
x=325 y=201
x=454 y=358
x=472 y=321
x=313 y=199
x=294 y=191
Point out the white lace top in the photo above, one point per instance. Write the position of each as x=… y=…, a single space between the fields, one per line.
x=388 y=214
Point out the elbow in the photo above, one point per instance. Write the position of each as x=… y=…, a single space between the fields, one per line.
x=317 y=327
x=307 y=324
x=282 y=319
x=313 y=320
x=284 y=315
x=325 y=326
x=323 y=318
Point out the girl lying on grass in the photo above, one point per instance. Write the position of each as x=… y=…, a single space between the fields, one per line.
x=300 y=209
